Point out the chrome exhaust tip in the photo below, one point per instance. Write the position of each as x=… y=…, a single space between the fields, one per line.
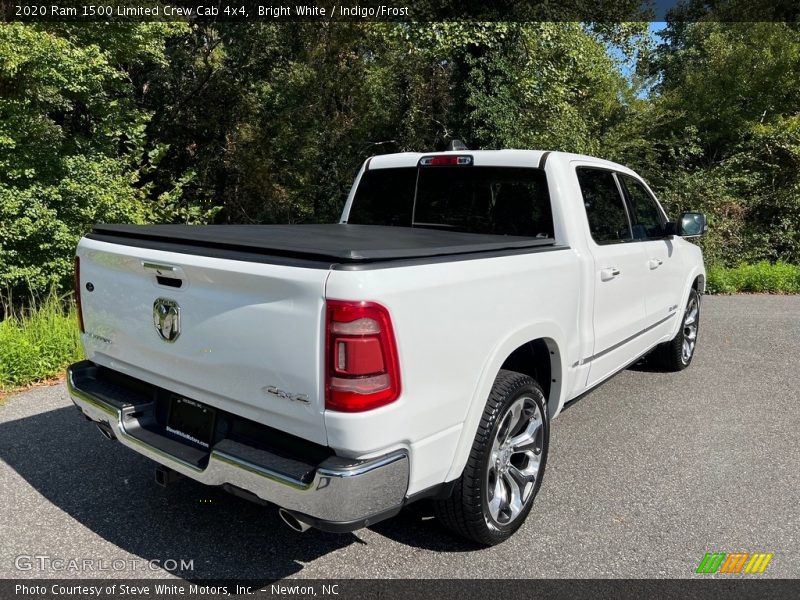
x=105 y=430
x=292 y=521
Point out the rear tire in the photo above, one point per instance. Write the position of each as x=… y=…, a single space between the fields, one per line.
x=677 y=354
x=504 y=471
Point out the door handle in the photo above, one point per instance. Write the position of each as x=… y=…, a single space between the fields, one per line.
x=654 y=263
x=608 y=273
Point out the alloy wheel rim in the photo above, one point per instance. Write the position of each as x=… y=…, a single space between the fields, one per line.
x=515 y=460
x=690 y=324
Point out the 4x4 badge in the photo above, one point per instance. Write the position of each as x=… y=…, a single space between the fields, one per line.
x=167 y=319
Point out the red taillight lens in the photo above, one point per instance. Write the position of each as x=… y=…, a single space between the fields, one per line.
x=362 y=371
x=357 y=356
x=78 y=293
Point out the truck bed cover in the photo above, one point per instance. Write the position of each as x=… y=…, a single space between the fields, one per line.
x=337 y=243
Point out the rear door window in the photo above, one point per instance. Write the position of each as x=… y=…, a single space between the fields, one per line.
x=605 y=208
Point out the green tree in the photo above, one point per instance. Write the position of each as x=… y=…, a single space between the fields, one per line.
x=728 y=104
x=71 y=141
x=274 y=120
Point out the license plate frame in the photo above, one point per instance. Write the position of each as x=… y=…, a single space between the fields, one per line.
x=191 y=421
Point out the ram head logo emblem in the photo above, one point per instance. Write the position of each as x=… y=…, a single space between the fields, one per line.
x=167 y=319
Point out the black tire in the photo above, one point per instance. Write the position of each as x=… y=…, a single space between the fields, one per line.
x=671 y=356
x=467 y=512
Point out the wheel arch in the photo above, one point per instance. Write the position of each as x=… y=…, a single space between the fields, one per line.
x=696 y=280
x=699 y=284
x=538 y=359
x=537 y=351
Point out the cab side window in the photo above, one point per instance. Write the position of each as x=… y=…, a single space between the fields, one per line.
x=648 y=221
x=605 y=209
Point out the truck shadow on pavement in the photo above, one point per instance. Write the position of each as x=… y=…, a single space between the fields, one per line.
x=416 y=526
x=111 y=491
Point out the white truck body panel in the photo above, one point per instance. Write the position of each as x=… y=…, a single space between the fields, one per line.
x=493 y=300
x=246 y=327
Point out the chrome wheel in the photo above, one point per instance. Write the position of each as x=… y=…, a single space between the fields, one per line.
x=514 y=460
x=690 y=324
x=506 y=464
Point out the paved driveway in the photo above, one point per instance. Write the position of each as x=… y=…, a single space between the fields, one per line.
x=645 y=475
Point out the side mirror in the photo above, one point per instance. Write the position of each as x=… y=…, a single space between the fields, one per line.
x=689 y=224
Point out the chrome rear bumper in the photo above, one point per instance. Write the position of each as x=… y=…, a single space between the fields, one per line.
x=343 y=494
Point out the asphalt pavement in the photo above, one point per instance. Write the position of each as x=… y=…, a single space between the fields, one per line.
x=645 y=475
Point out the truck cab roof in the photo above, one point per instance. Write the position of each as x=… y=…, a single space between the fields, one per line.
x=488 y=158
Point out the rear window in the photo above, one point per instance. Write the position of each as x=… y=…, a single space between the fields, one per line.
x=493 y=200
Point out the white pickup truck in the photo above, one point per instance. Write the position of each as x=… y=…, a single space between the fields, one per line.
x=417 y=349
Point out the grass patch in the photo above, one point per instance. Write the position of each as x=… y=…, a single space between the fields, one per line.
x=38 y=342
x=762 y=277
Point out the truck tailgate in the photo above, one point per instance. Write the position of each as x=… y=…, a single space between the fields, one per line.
x=249 y=337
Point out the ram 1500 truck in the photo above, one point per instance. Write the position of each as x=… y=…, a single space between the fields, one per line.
x=417 y=349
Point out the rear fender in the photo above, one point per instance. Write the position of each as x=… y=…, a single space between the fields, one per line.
x=555 y=339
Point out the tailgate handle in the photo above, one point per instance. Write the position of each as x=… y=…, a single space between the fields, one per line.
x=161 y=269
x=166 y=275
x=169 y=281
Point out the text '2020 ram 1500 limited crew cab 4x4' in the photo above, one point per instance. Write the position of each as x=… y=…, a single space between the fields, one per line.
x=418 y=348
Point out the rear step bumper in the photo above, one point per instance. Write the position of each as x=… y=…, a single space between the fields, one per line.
x=341 y=494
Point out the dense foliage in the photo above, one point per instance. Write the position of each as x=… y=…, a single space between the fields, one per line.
x=724 y=128
x=73 y=142
x=267 y=122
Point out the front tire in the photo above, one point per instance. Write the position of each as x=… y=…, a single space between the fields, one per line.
x=677 y=354
x=494 y=494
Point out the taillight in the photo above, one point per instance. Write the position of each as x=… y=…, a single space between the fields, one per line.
x=361 y=364
x=78 y=292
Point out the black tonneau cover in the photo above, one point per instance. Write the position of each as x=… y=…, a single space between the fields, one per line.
x=340 y=243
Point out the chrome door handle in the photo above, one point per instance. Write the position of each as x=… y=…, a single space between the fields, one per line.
x=654 y=263
x=608 y=273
